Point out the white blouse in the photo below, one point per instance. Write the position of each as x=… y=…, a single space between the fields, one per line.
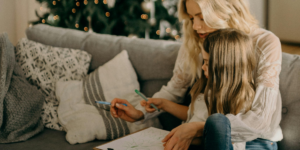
x=262 y=121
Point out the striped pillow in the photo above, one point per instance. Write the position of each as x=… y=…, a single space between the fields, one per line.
x=82 y=118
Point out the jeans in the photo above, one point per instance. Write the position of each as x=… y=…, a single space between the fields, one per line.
x=261 y=144
x=217 y=133
x=217 y=136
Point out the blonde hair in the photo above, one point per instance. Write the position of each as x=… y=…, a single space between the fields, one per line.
x=217 y=14
x=230 y=86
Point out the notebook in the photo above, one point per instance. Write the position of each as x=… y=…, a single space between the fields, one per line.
x=146 y=139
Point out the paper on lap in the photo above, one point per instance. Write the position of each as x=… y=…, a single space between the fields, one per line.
x=147 y=139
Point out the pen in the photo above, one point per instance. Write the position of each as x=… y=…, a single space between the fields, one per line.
x=138 y=92
x=107 y=103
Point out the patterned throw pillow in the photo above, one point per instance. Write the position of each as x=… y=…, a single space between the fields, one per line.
x=44 y=65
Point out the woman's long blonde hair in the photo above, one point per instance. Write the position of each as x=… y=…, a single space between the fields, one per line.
x=217 y=14
x=230 y=86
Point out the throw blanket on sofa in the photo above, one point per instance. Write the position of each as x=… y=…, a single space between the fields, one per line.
x=20 y=102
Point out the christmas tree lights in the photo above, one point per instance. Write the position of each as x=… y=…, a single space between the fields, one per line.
x=154 y=19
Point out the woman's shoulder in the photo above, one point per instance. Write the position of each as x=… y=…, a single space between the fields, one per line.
x=265 y=40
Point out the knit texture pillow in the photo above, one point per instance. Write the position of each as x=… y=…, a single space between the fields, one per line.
x=44 y=65
x=82 y=118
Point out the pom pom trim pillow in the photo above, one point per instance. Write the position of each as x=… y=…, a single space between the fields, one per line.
x=44 y=65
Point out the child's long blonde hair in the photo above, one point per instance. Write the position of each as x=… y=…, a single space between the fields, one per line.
x=230 y=86
x=217 y=14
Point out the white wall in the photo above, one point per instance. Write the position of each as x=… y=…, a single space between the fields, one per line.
x=284 y=19
x=258 y=9
x=7 y=19
x=15 y=16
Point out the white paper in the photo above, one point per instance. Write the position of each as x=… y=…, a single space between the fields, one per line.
x=148 y=139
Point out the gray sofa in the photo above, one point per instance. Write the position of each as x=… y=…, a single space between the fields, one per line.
x=153 y=61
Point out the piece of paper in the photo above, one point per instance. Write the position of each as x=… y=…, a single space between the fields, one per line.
x=148 y=139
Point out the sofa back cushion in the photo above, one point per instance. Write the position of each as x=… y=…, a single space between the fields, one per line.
x=290 y=88
x=153 y=60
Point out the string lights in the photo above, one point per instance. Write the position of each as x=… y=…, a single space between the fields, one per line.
x=107 y=14
x=144 y=16
x=158 y=32
x=168 y=30
x=148 y=14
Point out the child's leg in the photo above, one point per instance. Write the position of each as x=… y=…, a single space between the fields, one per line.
x=217 y=133
x=261 y=144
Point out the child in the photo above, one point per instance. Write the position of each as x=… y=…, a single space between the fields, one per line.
x=229 y=62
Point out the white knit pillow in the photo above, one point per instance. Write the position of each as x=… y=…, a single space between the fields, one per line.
x=44 y=65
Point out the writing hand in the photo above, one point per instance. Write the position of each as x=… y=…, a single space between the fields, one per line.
x=127 y=113
x=158 y=102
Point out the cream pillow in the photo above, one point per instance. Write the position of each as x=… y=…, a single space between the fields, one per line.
x=82 y=118
x=44 y=65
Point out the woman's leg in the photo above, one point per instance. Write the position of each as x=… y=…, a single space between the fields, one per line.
x=261 y=144
x=217 y=133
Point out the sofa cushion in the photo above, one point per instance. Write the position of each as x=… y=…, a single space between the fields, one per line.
x=148 y=57
x=50 y=140
x=290 y=88
x=44 y=65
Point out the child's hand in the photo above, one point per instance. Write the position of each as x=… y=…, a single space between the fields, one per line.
x=127 y=113
x=158 y=102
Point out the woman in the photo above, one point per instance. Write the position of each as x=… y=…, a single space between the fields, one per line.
x=261 y=122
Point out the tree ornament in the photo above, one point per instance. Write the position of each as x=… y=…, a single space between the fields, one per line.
x=90 y=24
x=152 y=21
x=111 y=3
x=147 y=6
x=171 y=6
x=163 y=26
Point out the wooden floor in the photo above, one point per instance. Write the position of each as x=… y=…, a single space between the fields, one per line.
x=292 y=49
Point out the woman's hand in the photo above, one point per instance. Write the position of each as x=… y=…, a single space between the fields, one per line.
x=158 y=102
x=181 y=137
x=127 y=113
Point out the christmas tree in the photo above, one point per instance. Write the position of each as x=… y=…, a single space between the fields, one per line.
x=154 y=19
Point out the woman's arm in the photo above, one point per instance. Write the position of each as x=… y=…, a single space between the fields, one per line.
x=176 y=87
x=177 y=110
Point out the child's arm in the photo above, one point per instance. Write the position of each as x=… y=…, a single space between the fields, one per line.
x=179 y=111
x=127 y=113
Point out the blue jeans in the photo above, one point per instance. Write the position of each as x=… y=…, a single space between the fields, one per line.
x=217 y=133
x=217 y=136
x=261 y=144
